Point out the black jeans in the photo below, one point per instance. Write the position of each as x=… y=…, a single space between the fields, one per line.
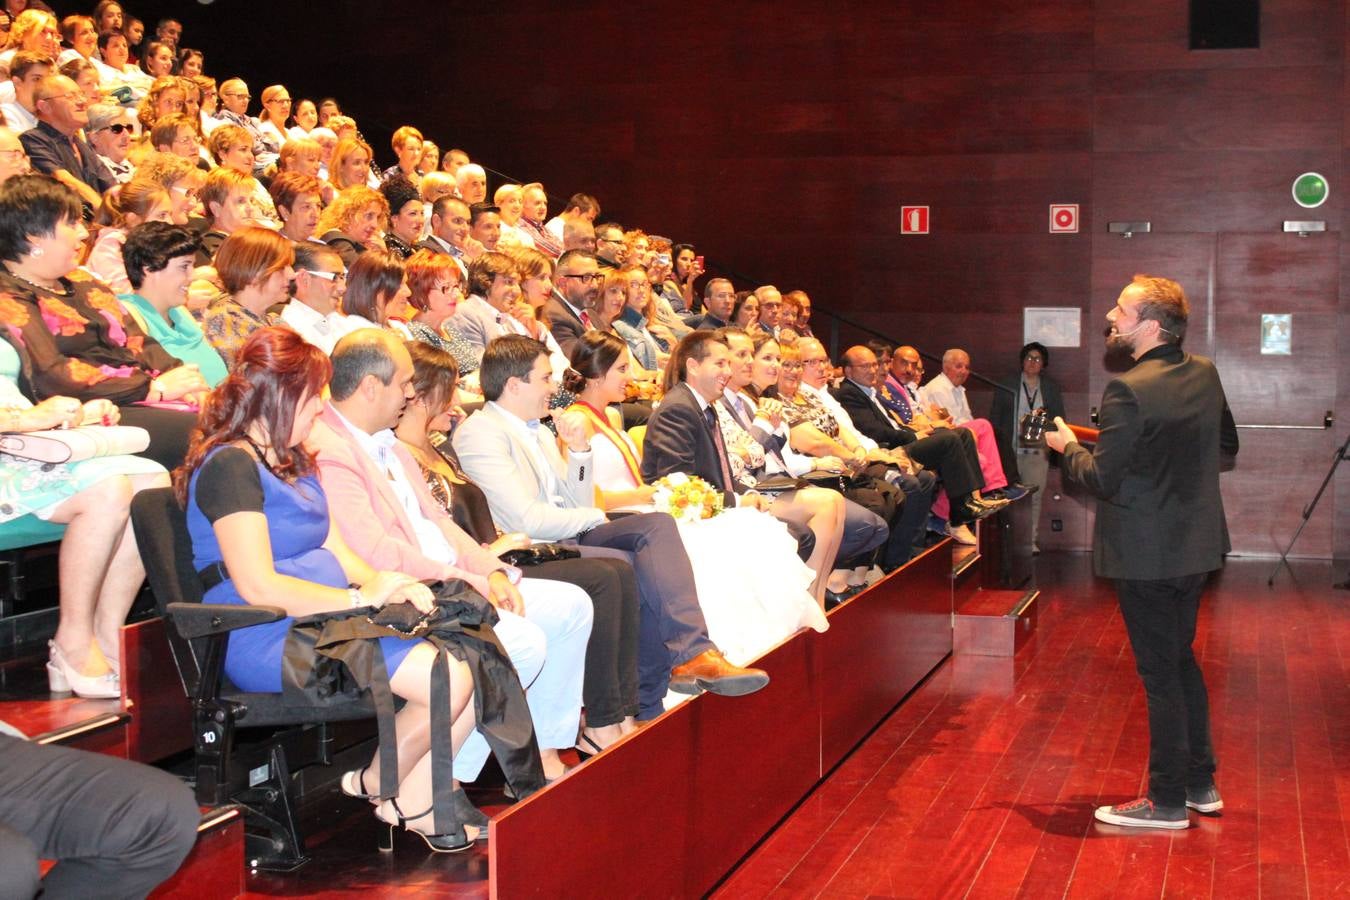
x=610 y=689
x=116 y=828
x=1160 y=618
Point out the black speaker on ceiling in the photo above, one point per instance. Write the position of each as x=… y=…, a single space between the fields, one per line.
x=1225 y=24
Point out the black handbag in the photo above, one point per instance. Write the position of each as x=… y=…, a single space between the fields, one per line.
x=538 y=554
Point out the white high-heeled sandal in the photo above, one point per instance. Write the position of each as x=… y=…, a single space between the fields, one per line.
x=63 y=678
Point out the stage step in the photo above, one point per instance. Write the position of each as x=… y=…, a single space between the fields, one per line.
x=967 y=564
x=995 y=622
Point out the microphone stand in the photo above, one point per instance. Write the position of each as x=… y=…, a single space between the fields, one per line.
x=1307 y=514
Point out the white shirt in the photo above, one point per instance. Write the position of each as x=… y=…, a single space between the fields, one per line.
x=320 y=330
x=379 y=447
x=941 y=392
x=840 y=414
x=17 y=118
x=514 y=234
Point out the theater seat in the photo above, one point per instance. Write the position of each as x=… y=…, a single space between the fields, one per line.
x=254 y=770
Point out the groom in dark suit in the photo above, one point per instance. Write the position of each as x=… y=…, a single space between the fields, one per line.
x=683 y=434
x=1160 y=531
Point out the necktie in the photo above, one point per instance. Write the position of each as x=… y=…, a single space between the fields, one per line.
x=710 y=417
x=586 y=320
x=901 y=400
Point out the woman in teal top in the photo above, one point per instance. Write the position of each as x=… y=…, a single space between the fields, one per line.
x=159 y=259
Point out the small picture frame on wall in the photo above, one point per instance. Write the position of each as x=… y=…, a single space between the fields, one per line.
x=1053 y=326
x=1277 y=334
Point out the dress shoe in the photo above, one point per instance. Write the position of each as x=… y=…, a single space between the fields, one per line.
x=971 y=510
x=994 y=502
x=710 y=671
x=962 y=534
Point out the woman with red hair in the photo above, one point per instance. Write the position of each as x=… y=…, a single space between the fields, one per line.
x=261 y=534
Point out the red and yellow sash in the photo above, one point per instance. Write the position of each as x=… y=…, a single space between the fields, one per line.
x=601 y=424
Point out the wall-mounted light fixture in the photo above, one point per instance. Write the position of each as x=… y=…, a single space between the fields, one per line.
x=1130 y=229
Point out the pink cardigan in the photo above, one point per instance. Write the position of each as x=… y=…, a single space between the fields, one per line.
x=372 y=520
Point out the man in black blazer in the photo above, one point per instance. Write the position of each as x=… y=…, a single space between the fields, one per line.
x=1160 y=531
x=683 y=434
x=948 y=451
x=576 y=285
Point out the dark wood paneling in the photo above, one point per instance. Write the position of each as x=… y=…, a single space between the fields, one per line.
x=161 y=722
x=1221 y=109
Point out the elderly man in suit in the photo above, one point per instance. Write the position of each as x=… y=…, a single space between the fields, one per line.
x=388 y=517
x=1160 y=531
x=515 y=460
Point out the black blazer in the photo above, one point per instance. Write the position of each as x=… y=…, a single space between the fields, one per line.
x=883 y=429
x=564 y=324
x=1155 y=469
x=1003 y=417
x=678 y=440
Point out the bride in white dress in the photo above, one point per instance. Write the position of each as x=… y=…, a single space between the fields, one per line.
x=753 y=588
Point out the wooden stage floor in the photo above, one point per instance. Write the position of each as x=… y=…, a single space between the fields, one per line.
x=982 y=782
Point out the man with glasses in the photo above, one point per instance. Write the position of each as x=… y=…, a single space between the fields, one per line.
x=576 y=286
x=55 y=146
x=26 y=72
x=13 y=159
x=609 y=246
x=109 y=133
x=320 y=281
x=234 y=99
x=770 y=306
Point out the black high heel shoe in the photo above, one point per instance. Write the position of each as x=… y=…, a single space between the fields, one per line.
x=438 y=842
x=584 y=755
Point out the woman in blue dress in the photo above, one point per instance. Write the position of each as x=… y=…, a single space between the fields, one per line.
x=260 y=529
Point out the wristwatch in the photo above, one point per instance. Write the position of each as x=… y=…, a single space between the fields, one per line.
x=357 y=600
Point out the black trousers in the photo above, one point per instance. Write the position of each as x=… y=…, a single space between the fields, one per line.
x=116 y=828
x=1160 y=619
x=951 y=453
x=610 y=688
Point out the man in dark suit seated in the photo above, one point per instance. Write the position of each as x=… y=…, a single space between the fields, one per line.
x=1160 y=531
x=576 y=285
x=683 y=434
x=719 y=297
x=948 y=451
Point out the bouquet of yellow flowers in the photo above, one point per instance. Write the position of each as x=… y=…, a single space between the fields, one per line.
x=687 y=497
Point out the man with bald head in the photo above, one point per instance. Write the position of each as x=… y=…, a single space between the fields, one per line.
x=944 y=400
x=578 y=234
x=55 y=147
